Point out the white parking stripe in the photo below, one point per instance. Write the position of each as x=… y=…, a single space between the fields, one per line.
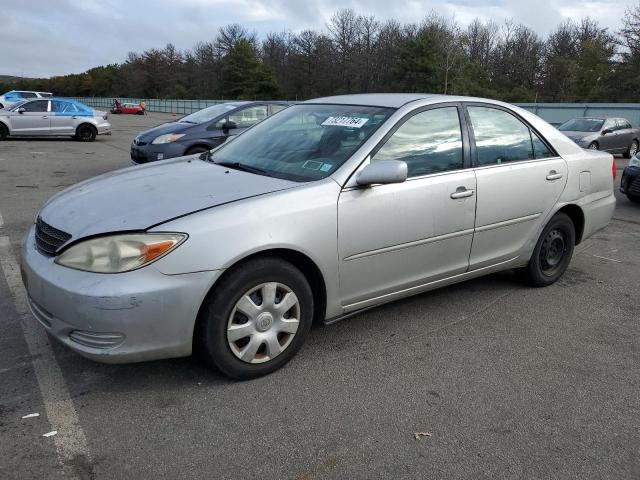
x=1 y=221
x=70 y=442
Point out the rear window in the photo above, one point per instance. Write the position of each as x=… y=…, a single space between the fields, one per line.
x=28 y=95
x=46 y=95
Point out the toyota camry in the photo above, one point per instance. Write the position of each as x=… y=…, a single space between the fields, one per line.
x=328 y=208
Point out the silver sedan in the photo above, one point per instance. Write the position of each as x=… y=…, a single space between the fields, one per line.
x=53 y=117
x=323 y=210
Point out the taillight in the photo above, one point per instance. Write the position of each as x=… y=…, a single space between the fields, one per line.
x=613 y=168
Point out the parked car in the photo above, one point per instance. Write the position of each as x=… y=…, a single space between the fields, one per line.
x=630 y=180
x=12 y=97
x=54 y=116
x=613 y=135
x=128 y=108
x=200 y=131
x=328 y=208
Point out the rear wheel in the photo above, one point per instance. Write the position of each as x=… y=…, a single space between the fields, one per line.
x=593 y=146
x=632 y=150
x=256 y=319
x=4 y=132
x=633 y=198
x=552 y=254
x=86 y=133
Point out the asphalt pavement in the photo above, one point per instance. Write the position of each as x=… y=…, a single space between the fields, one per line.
x=504 y=381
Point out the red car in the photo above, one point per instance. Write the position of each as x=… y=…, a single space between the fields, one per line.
x=130 y=108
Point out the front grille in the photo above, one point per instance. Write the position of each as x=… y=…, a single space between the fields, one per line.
x=48 y=238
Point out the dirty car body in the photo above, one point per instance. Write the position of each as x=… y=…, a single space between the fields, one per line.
x=348 y=198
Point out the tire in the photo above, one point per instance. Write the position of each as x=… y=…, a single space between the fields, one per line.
x=141 y=112
x=244 y=288
x=197 y=149
x=4 y=132
x=593 y=146
x=632 y=150
x=552 y=253
x=86 y=133
x=633 y=198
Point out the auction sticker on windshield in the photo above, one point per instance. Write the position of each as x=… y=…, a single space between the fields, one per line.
x=353 y=122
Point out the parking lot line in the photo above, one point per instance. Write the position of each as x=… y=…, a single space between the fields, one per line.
x=70 y=442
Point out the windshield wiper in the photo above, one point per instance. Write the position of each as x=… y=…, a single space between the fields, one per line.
x=243 y=167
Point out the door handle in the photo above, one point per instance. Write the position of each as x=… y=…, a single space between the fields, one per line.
x=461 y=192
x=553 y=175
x=74 y=117
x=45 y=116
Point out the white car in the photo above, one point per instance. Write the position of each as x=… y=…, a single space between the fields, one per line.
x=12 y=97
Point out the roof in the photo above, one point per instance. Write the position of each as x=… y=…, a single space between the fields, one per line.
x=393 y=100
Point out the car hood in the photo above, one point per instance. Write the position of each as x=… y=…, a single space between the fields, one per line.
x=172 y=127
x=138 y=198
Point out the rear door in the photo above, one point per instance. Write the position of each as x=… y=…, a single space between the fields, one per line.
x=519 y=180
x=63 y=116
x=35 y=119
x=625 y=134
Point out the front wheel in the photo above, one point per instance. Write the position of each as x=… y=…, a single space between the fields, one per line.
x=256 y=319
x=4 y=132
x=632 y=150
x=194 y=150
x=633 y=198
x=552 y=253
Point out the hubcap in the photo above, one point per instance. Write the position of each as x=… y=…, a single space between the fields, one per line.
x=633 y=149
x=263 y=322
x=593 y=146
x=553 y=251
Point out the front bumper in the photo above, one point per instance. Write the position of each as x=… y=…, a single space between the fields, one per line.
x=630 y=181
x=151 y=153
x=114 y=318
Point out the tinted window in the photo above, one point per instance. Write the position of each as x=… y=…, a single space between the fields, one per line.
x=249 y=116
x=623 y=124
x=37 y=106
x=540 y=150
x=500 y=137
x=428 y=142
x=28 y=95
x=610 y=124
x=59 y=106
x=45 y=95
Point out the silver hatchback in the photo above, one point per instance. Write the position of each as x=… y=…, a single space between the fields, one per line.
x=53 y=117
x=325 y=209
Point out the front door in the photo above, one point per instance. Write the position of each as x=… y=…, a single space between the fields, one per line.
x=33 y=121
x=519 y=180
x=401 y=236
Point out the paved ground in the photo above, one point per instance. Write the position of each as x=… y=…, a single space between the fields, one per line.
x=510 y=382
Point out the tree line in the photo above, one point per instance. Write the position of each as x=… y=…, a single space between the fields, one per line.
x=579 y=61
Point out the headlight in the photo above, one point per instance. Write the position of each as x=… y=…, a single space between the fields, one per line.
x=119 y=253
x=167 y=138
x=634 y=162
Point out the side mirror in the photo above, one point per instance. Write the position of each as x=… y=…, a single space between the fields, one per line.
x=229 y=125
x=382 y=172
x=607 y=131
x=22 y=110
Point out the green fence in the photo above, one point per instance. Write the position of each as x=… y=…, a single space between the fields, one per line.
x=554 y=113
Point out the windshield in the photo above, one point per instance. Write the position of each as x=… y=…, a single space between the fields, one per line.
x=303 y=142
x=209 y=113
x=582 y=125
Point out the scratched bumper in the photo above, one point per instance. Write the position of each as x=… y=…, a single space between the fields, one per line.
x=114 y=318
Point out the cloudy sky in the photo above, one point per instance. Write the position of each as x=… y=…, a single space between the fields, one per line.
x=41 y=38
